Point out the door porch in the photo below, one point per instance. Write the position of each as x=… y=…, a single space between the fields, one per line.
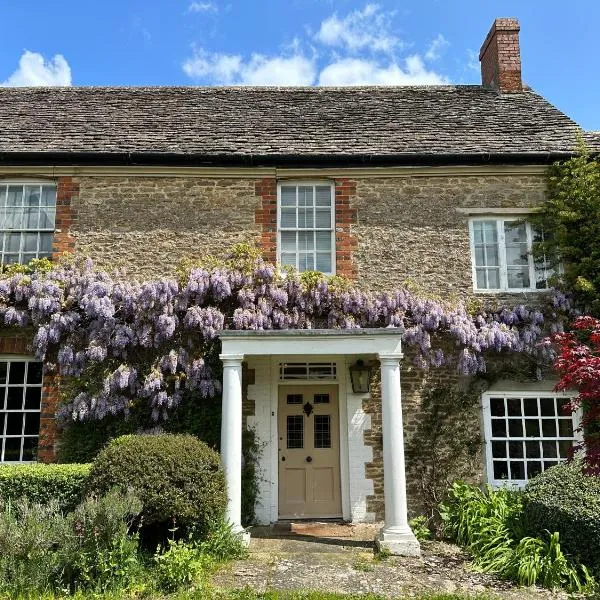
x=276 y=357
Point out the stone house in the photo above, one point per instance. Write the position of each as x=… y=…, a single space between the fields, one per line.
x=379 y=184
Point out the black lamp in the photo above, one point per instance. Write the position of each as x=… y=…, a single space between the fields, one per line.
x=360 y=375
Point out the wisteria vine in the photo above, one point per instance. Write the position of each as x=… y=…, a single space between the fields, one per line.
x=151 y=341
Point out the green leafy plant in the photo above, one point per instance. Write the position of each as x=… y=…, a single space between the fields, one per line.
x=63 y=484
x=489 y=523
x=91 y=548
x=178 y=479
x=222 y=544
x=565 y=499
x=420 y=528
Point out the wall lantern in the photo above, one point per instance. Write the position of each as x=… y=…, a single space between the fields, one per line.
x=360 y=375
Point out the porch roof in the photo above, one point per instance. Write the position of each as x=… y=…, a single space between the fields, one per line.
x=382 y=341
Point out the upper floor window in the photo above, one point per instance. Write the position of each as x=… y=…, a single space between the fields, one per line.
x=305 y=231
x=525 y=434
x=501 y=256
x=20 y=398
x=27 y=215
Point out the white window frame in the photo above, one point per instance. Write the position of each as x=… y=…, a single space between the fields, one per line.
x=3 y=436
x=503 y=271
x=4 y=184
x=488 y=438
x=297 y=184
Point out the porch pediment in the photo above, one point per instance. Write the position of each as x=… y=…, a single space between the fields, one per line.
x=383 y=342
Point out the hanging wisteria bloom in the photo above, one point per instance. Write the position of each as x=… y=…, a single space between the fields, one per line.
x=135 y=343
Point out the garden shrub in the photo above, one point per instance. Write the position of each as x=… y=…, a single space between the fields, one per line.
x=40 y=483
x=91 y=548
x=490 y=525
x=566 y=500
x=178 y=479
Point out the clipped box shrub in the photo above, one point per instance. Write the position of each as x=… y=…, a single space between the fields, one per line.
x=178 y=478
x=566 y=500
x=40 y=483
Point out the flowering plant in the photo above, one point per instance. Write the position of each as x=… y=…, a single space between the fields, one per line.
x=126 y=342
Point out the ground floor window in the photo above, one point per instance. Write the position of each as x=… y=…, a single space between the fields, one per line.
x=20 y=400
x=525 y=434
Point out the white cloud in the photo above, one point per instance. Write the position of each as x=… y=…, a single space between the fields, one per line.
x=472 y=61
x=203 y=7
x=437 y=47
x=357 y=71
x=366 y=29
x=229 y=69
x=34 y=70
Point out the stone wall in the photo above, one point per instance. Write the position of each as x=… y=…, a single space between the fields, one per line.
x=150 y=224
x=410 y=229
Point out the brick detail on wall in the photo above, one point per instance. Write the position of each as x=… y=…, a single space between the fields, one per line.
x=346 y=243
x=345 y=217
x=19 y=345
x=266 y=216
x=66 y=192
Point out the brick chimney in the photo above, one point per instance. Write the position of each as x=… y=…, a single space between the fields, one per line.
x=500 y=57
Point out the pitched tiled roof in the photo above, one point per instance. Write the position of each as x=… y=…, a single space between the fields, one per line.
x=243 y=122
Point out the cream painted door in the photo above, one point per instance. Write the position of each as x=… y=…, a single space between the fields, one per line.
x=309 y=452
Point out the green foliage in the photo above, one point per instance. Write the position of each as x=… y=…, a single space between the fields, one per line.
x=570 y=221
x=37 y=264
x=178 y=478
x=42 y=549
x=420 y=528
x=40 y=483
x=452 y=447
x=201 y=417
x=566 y=500
x=188 y=562
x=490 y=525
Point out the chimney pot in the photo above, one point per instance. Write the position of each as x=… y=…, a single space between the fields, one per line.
x=500 y=57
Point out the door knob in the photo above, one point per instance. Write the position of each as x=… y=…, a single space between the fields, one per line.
x=283 y=459
x=309 y=459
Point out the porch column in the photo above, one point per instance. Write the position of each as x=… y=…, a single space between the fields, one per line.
x=396 y=535
x=231 y=438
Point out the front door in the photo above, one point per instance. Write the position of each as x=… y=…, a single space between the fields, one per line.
x=309 y=452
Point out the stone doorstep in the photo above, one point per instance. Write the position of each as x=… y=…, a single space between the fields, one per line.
x=318 y=529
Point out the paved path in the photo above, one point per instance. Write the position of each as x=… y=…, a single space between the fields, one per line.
x=342 y=560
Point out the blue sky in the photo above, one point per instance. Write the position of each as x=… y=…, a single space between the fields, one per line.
x=304 y=42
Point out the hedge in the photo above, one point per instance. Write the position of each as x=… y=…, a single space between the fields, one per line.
x=41 y=483
x=178 y=478
x=566 y=500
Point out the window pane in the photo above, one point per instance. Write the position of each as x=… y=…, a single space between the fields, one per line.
x=323 y=218
x=323 y=195
x=32 y=423
x=534 y=467
x=305 y=196
x=295 y=431
x=3 y=371
x=306 y=241
x=288 y=217
x=288 y=195
x=324 y=263
x=499 y=449
x=34 y=373
x=565 y=428
x=514 y=233
x=494 y=278
x=517 y=470
x=30 y=242
x=15 y=195
x=2 y=196
x=491 y=253
x=500 y=469
x=481 y=279
x=46 y=243
x=14 y=423
x=306 y=262
x=548 y=427
x=32 y=195
x=288 y=259
x=323 y=240
x=515 y=428
x=531 y=406
x=532 y=449
x=47 y=218
x=514 y=407
x=32 y=398
x=288 y=241
x=548 y=407
x=517 y=255
x=549 y=449
x=497 y=407
x=12 y=242
x=48 y=195
x=498 y=427
x=532 y=428
x=32 y=218
x=30 y=445
x=518 y=278
x=294 y=399
x=515 y=449
x=14 y=218
x=16 y=373
x=11 y=259
x=322 y=431
x=12 y=449
x=305 y=217
x=14 y=398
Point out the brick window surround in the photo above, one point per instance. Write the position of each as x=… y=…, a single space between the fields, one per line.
x=66 y=190
x=345 y=216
